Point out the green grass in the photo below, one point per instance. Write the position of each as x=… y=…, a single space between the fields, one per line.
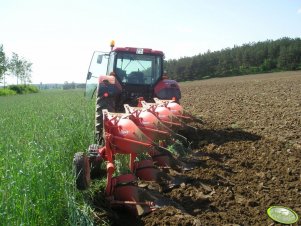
x=39 y=134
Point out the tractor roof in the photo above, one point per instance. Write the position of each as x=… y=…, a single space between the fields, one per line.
x=137 y=50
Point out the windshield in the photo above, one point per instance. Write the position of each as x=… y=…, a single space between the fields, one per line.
x=138 y=69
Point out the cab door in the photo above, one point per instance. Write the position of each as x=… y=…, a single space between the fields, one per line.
x=98 y=66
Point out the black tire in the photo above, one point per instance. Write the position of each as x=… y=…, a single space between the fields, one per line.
x=101 y=103
x=96 y=170
x=82 y=170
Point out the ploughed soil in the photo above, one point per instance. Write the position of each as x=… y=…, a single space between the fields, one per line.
x=248 y=153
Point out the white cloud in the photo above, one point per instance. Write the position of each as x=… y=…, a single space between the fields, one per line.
x=299 y=11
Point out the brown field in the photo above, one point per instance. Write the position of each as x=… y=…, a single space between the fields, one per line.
x=249 y=151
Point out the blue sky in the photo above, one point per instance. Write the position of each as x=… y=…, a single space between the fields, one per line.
x=59 y=37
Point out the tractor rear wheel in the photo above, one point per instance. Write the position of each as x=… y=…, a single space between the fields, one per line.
x=82 y=170
x=101 y=103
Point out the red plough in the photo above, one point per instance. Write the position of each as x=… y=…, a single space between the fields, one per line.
x=123 y=136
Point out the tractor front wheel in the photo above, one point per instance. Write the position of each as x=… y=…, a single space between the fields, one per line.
x=82 y=170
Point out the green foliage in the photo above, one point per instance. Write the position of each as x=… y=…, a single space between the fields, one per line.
x=3 y=62
x=20 y=68
x=268 y=56
x=121 y=164
x=7 y=92
x=38 y=138
x=16 y=66
x=18 y=89
x=177 y=148
x=24 y=89
x=69 y=85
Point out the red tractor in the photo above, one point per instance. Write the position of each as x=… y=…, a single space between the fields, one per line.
x=127 y=76
x=137 y=113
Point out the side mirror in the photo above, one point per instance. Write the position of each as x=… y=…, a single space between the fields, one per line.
x=89 y=75
x=99 y=59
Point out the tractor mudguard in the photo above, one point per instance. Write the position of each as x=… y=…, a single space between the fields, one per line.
x=108 y=86
x=167 y=90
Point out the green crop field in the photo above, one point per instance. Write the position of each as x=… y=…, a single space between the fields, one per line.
x=39 y=134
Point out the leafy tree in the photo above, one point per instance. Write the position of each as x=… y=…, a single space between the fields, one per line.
x=15 y=66
x=20 y=68
x=25 y=76
x=267 y=56
x=69 y=85
x=3 y=63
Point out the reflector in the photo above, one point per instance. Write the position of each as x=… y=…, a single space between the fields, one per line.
x=282 y=214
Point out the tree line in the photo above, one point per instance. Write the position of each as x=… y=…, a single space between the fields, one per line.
x=16 y=66
x=260 y=57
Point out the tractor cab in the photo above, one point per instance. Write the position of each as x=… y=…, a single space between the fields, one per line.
x=134 y=66
x=130 y=73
